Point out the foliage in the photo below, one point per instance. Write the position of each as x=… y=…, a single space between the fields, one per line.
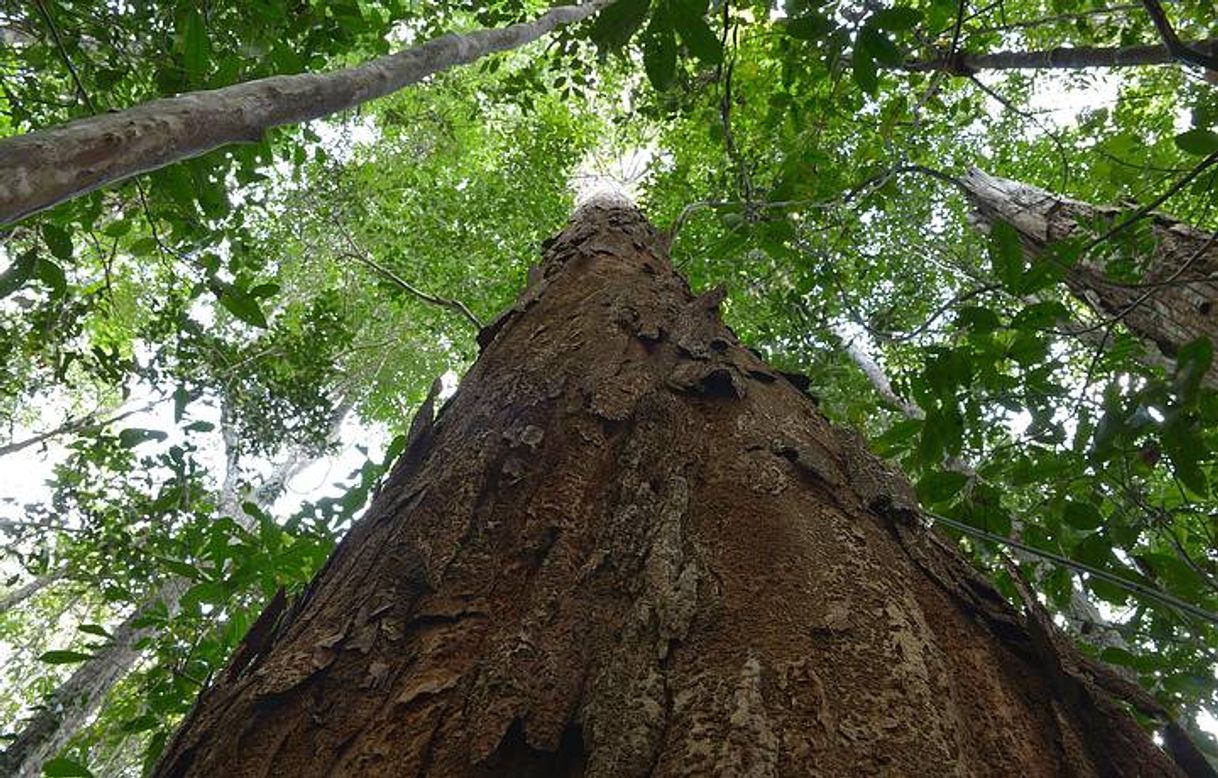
x=257 y=293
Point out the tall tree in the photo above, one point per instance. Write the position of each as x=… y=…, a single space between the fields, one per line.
x=1149 y=272
x=47 y=167
x=629 y=547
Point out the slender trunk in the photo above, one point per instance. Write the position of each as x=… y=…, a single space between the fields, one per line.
x=47 y=167
x=628 y=547
x=1176 y=300
x=1062 y=58
x=29 y=589
x=72 y=705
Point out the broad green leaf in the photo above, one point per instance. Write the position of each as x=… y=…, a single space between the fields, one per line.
x=1193 y=361
x=1198 y=141
x=812 y=27
x=94 y=629
x=53 y=276
x=941 y=486
x=195 y=48
x=863 y=70
x=63 y=767
x=690 y=22
x=879 y=46
x=240 y=304
x=617 y=24
x=134 y=436
x=1006 y=255
x=660 y=53
x=58 y=240
x=1082 y=515
x=897 y=19
x=64 y=657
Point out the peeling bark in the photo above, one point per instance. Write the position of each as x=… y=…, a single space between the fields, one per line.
x=43 y=168
x=1176 y=300
x=628 y=547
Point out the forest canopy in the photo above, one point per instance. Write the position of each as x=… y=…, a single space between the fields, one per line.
x=983 y=234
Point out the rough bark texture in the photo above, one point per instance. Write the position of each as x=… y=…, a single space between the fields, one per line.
x=1176 y=300
x=43 y=168
x=627 y=547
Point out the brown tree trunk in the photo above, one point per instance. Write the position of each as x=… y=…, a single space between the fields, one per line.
x=1176 y=300
x=627 y=547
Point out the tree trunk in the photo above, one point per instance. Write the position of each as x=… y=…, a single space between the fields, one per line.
x=627 y=547
x=43 y=168
x=1176 y=300
x=71 y=706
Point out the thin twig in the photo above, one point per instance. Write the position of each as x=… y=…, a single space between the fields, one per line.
x=386 y=273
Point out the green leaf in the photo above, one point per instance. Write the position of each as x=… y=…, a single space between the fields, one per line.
x=239 y=303
x=617 y=24
x=22 y=270
x=1193 y=361
x=134 y=436
x=812 y=27
x=212 y=592
x=63 y=657
x=264 y=290
x=1185 y=448
x=94 y=629
x=896 y=19
x=696 y=34
x=181 y=397
x=58 y=240
x=937 y=487
x=879 y=46
x=1006 y=255
x=660 y=53
x=195 y=47
x=863 y=70
x=53 y=276
x=1082 y=515
x=200 y=426
x=1198 y=141
x=62 y=767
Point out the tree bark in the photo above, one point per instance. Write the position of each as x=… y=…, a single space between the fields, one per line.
x=1176 y=300
x=27 y=590
x=43 y=168
x=628 y=547
x=1061 y=58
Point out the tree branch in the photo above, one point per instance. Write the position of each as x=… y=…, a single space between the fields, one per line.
x=1062 y=58
x=1178 y=49
x=50 y=166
